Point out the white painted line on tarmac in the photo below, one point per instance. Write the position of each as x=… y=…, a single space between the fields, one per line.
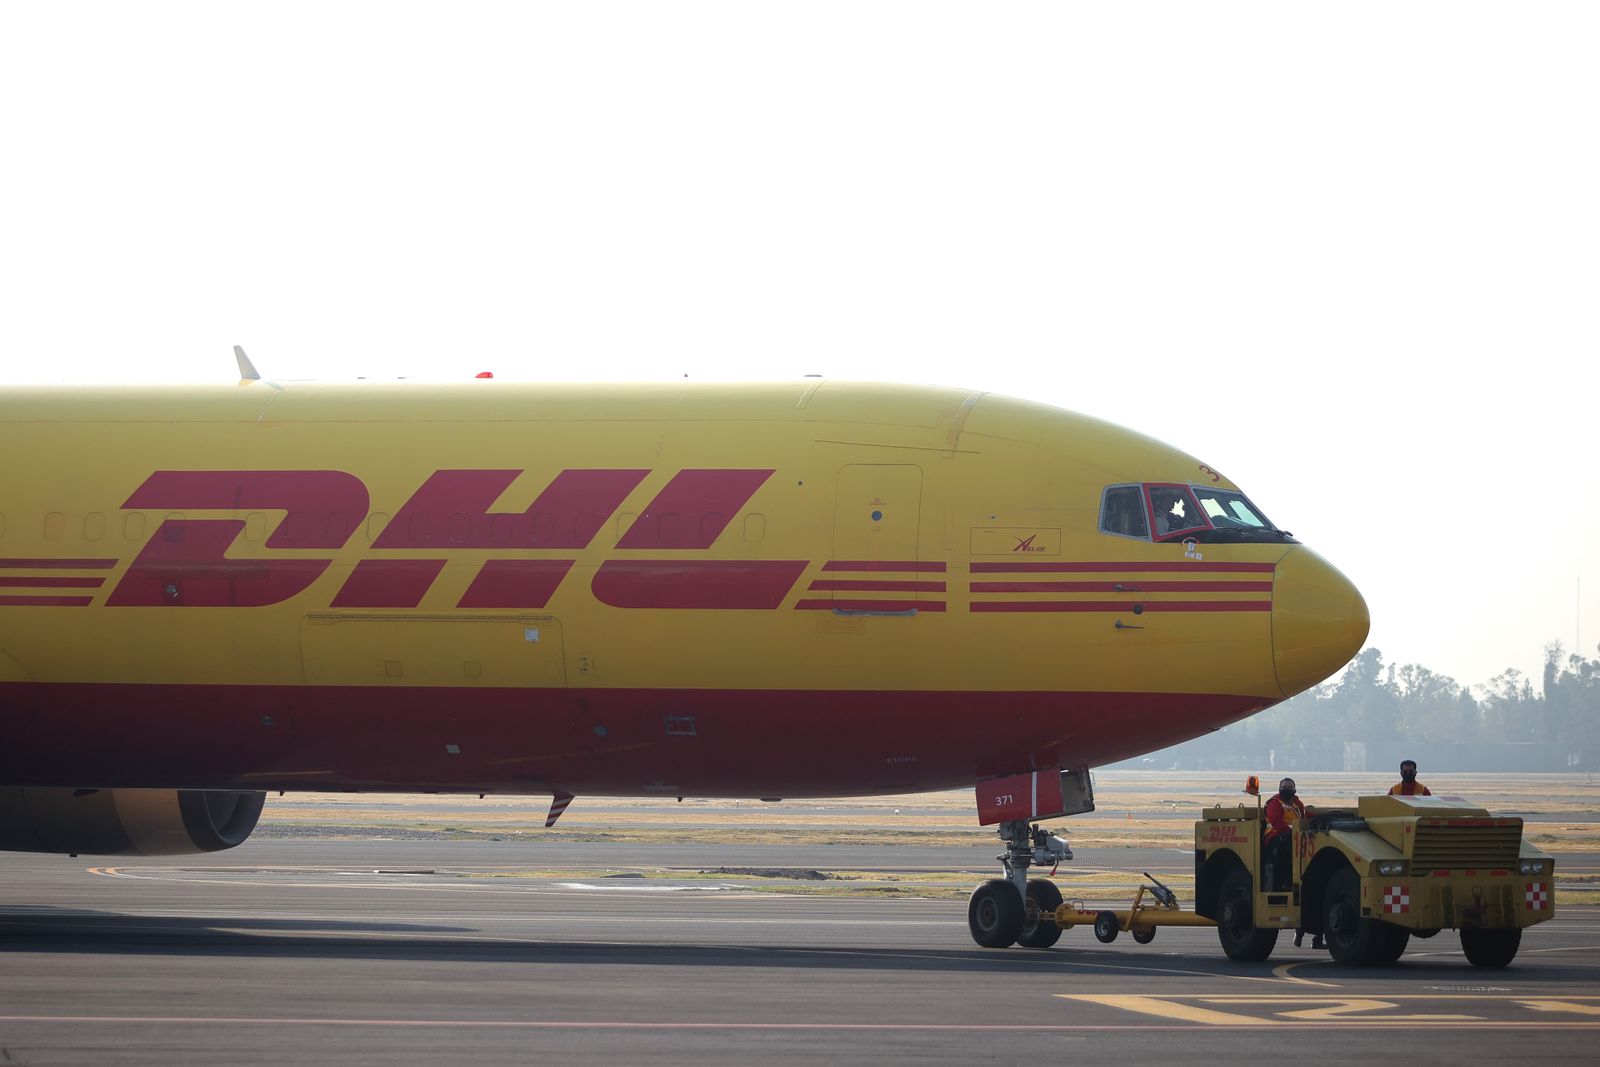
x=653 y=888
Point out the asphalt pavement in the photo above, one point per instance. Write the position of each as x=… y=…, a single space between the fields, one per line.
x=467 y=951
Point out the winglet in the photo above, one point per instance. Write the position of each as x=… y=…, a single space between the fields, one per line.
x=247 y=370
x=558 y=804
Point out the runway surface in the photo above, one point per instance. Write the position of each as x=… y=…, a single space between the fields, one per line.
x=447 y=951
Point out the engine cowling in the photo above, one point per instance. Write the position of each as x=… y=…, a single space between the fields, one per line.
x=120 y=822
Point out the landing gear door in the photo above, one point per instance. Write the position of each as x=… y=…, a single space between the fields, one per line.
x=876 y=518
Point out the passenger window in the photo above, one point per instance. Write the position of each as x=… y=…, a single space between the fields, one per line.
x=1175 y=510
x=1122 y=512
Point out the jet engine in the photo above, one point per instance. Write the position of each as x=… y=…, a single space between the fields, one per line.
x=116 y=822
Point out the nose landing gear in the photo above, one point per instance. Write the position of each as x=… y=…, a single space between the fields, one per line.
x=1015 y=910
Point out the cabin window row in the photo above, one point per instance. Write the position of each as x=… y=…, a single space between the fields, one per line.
x=455 y=529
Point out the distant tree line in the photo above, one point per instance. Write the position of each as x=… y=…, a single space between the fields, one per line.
x=1375 y=711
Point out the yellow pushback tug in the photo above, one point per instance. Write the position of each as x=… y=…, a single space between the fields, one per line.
x=1364 y=881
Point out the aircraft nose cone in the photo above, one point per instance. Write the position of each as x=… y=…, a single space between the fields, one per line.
x=1319 y=620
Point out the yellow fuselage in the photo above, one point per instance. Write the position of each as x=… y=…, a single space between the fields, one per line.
x=717 y=590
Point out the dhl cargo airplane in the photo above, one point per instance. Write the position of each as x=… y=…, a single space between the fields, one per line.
x=783 y=590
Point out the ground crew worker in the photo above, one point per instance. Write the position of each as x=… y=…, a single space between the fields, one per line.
x=1408 y=786
x=1283 y=811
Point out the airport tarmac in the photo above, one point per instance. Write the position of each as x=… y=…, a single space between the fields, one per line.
x=442 y=951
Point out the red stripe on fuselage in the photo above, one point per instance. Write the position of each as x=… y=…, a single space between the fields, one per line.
x=388 y=583
x=1080 y=567
x=885 y=566
x=515 y=583
x=1121 y=587
x=693 y=509
x=868 y=585
x=1123 y=605
x=58 y=564
x=451 y=510
x=712 y=584
x=52 y=583
x=869 y=605
x=46 y=601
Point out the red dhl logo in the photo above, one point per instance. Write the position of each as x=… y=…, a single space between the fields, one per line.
x=1226 y=835
x=185 y=562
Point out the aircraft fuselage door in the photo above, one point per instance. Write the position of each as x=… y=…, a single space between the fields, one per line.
x=876 y=520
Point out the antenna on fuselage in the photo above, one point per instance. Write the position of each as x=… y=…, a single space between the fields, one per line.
x=247 y=370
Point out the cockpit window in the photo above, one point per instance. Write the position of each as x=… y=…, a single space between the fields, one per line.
x=1122 y=512
x=1231 y=511
x=1172 y=511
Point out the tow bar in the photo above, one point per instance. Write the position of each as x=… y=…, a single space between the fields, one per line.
x=1153 y=905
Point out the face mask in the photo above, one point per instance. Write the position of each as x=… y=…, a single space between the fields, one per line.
x=1409 y=776
x=1286 y=795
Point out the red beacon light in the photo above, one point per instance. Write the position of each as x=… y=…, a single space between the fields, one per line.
x=484 y=374
x=1252 y=785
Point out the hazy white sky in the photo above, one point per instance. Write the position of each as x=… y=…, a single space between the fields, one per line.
x=1347 y=254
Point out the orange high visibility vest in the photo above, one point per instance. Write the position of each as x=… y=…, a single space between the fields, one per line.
x=1409 y=789
x=1279 y=819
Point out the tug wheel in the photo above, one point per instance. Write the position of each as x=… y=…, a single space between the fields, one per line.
x=1107 y=926
x=1352 y=938
x=1236 y=927
x=1490 y=948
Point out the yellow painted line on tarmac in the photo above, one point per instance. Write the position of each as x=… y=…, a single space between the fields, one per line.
x=1564 y=1005
x=1282 y=971
x=1166 y=1009
x=1340 y=1009
x=1295 y=1010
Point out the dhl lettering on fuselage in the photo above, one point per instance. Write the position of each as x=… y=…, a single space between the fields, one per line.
x=185 y=562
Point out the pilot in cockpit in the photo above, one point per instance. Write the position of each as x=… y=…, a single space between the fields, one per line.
x=1170 y=507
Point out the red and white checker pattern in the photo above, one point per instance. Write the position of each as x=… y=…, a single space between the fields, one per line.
x=1537 y=896
x=1396 y=899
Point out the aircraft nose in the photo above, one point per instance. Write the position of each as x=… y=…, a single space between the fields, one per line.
x=1319 y=620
